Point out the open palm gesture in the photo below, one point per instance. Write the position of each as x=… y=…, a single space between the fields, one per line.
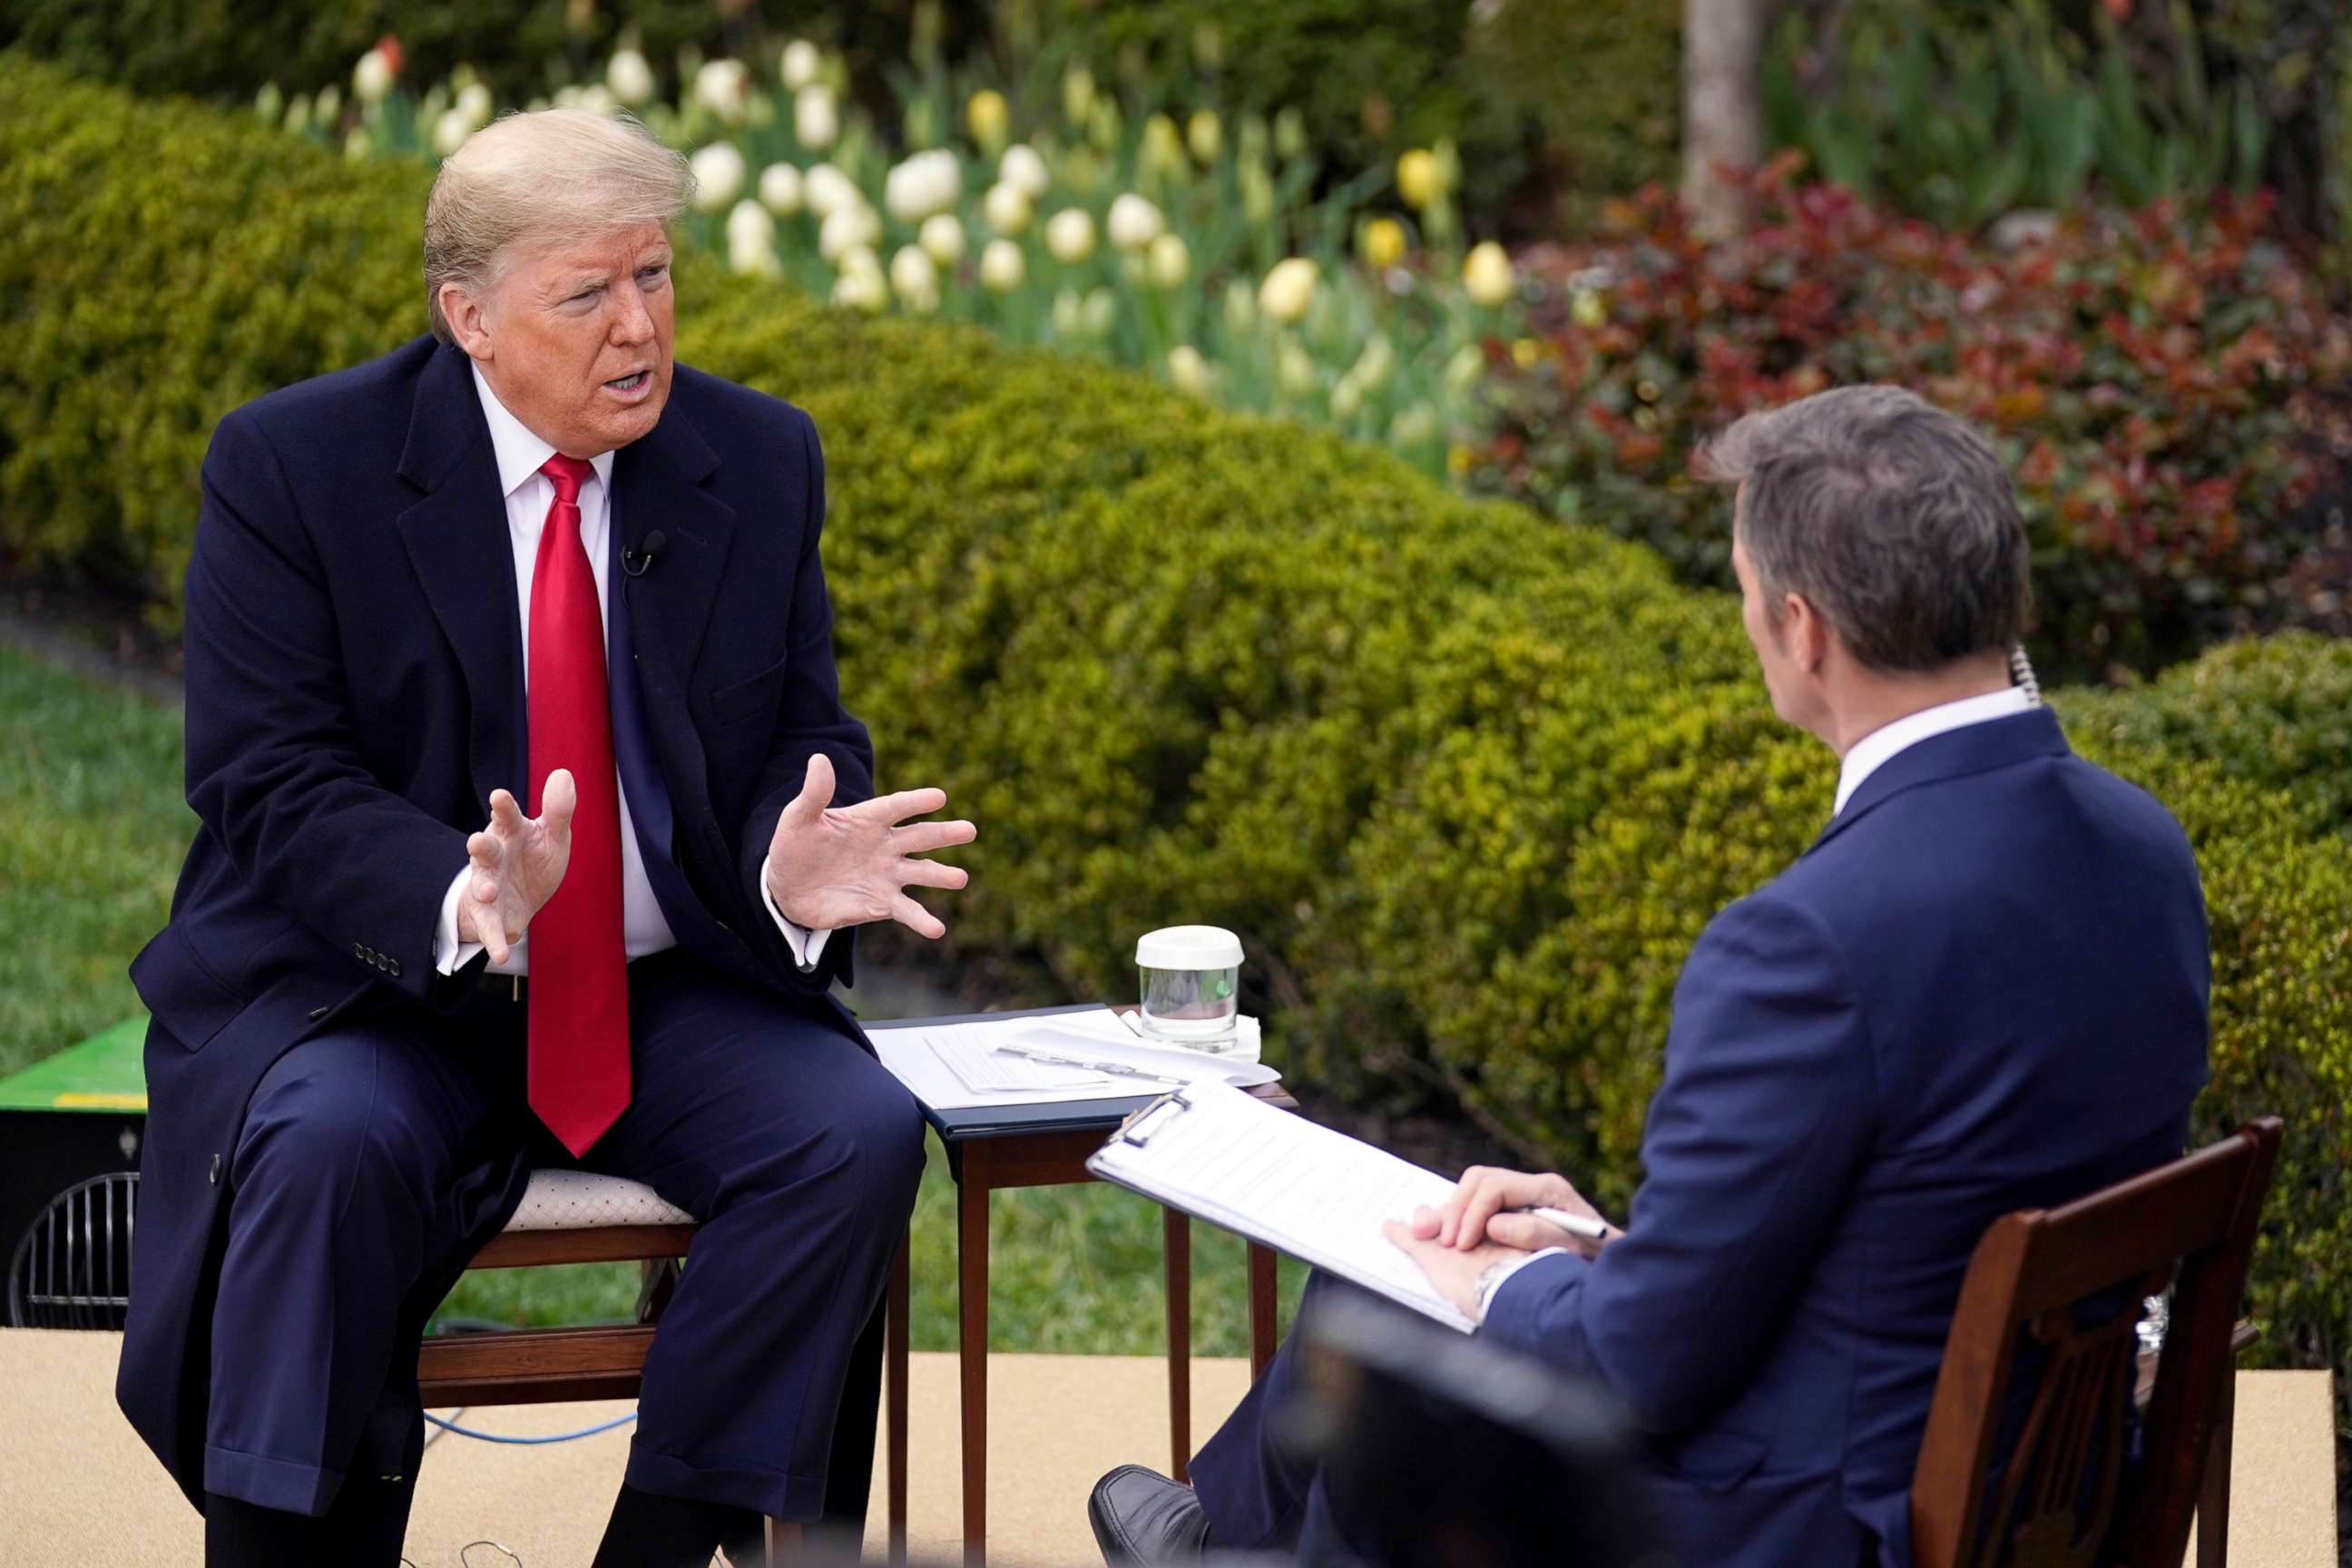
x=517 y=863
x=842 y=865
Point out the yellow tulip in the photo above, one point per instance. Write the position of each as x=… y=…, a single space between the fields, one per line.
x=1418 y=180
x=1287 y=290
x=1381 y=243
x=989 y=118
x=1204 y=135
x=1487 y=274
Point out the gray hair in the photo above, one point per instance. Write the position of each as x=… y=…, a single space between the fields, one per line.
x=1892 y=517
x=551 y=176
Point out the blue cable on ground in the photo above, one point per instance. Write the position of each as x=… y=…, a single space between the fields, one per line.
x=554 y=1437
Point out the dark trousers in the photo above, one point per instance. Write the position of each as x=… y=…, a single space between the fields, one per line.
x=360 y=1184
x=1258 y=1494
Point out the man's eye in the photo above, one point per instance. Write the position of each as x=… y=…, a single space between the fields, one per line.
x=655 y=274
x=584 y=295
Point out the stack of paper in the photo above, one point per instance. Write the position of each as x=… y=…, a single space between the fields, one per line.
x=956 y=1067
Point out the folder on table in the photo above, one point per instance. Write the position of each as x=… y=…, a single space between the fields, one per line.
x=1274 y=1177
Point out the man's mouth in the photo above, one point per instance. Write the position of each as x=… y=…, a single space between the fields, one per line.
x=629 y=382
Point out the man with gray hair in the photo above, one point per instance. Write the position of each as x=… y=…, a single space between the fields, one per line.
x=1982 y=989
x=531 y=829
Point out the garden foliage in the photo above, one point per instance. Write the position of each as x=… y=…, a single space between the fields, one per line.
x=1468 y=781
x=2169 y=390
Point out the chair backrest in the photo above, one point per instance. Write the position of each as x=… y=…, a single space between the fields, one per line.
x=2190 y=1225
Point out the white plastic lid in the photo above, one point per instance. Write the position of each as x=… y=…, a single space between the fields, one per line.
x=1189 y=947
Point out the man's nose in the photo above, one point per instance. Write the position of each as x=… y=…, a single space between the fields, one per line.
x=632 y=322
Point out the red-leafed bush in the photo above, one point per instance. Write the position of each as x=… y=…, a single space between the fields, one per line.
x=2168 y=387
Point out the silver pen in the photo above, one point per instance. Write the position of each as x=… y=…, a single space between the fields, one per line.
x=1056 y=1060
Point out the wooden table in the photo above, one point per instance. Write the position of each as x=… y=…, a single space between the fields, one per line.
x=993 y=1148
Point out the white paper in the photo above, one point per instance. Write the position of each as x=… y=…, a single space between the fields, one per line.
x=995 y=1072
x=1278 y=1178
x=1096 y=1033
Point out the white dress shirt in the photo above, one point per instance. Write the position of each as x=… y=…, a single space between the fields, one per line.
x=529 y=495
x=1863 y=758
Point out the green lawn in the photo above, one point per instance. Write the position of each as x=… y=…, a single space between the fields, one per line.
x=92 y=828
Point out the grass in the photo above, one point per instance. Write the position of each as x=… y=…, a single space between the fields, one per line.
x=92 y=830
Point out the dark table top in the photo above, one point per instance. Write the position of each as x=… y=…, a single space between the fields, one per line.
x=1018 y=1120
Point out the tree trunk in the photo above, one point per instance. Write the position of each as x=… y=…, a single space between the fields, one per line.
x=1723 y=107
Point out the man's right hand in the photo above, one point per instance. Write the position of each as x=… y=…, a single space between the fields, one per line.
x=1482 y=1208
x=516 y=864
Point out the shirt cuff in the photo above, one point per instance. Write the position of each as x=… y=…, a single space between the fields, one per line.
x=808 y=946
x=449 y=954
x=1502 y=1277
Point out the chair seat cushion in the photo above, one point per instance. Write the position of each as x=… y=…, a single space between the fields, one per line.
x=582 y=1200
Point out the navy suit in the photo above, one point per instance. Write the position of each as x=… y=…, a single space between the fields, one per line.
x=1984 y=988
x=335 y=1127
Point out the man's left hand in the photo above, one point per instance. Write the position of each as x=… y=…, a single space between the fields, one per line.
x=1454 y=1272
x=830 y=866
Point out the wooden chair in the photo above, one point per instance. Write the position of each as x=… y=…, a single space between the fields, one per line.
x=2190 y=1225
x=570 y=1216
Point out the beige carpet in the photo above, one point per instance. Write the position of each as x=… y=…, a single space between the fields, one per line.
x=75 y=1485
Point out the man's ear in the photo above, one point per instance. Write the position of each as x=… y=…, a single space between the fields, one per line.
x=466 y=325
x=1808 y=632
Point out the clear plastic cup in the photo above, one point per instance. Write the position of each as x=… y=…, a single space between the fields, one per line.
x=1189 y=977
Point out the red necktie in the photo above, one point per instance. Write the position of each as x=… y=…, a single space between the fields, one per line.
x=579 y=1003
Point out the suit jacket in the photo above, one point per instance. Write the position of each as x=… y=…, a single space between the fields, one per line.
x=355 y=692
x=1984 y=989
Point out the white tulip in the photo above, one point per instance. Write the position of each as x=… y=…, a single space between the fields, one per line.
x=861 y=291
x=1070 y=236
x=1241 y=308
x=1024 y=168
x=815 y=119
x=942 y=236
x=1067 y=308
x=329 y=106
x=1100 y=312
x=915 y=279
x=1002 y=266
x=846 y=229
x=372 y=78
x=450 y=131
x=1187 y=369
x=269 y=103
x=748 y=220
x=757 y=260
x=718 y=171
x=827 y=190
x=1413 y=425
x=629 y=77
x=568 y=96
x=1346 y=396
x=1134 y=222
x=1487 y=274
x=357 y=146
x=1373 y=366
x=861 y=258
x=1007 y=207
x=779 y=189
x=799 y=65
x=297 y=112
x=473 y=104
x=724 y=88
x=1171 y=260
x=1294 y=370
x=925 y=183
x=1464 y=369
x=597 y=98
x=1287 y=290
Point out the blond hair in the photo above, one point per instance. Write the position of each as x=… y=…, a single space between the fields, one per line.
x=551 y=175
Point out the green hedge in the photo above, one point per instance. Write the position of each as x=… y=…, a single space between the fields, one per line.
x=1468 y=780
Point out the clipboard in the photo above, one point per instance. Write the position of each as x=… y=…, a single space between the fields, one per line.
x=1316 y=1195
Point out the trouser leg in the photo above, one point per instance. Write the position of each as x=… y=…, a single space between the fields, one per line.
x=361 y=1153
x=801 y=1154
x=1255 y=1490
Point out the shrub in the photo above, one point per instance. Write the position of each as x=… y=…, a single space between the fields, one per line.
x=1468 y=781
x=2161 y=384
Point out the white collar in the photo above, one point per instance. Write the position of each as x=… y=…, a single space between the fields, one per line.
x=521 y=453
x=1873 y=750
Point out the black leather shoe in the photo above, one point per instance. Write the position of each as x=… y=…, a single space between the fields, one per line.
x=1143 y=1519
